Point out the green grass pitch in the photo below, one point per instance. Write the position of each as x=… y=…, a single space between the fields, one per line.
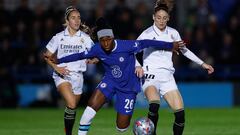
x=49 y=122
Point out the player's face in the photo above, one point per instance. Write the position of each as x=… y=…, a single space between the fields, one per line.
x=107 y=43
x=74 y=20
x=161 y=18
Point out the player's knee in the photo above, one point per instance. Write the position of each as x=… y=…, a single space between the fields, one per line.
x=153 y=107
x=180 y=117
x=121 y=129
x=72 y=104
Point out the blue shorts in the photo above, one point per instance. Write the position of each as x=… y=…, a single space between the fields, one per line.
x=125 y=101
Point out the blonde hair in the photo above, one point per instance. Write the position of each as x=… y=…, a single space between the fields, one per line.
x=82 y=26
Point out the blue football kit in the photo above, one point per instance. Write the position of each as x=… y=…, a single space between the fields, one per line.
x=119 y=65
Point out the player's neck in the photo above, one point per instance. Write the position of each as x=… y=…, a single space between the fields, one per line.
x=72 y=32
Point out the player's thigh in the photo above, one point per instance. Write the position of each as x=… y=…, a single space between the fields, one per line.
x=151 y=87
x=76 y=80
x=97 y=100
x=123 y=120
x=152 y=93
x=65 y=90
x=174 y=99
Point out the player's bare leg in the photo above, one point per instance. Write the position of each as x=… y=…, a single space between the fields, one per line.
x=123 y=122
x=94 y=104
x=154 y=103
x=71 y=101
x=174 y=99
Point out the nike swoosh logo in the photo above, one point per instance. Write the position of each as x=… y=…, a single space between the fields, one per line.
x=103 y=58
x=127 y=111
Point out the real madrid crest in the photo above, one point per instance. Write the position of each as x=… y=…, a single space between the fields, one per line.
x=82 y=40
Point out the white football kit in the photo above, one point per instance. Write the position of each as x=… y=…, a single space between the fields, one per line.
x=157 y=64
x=63 y=44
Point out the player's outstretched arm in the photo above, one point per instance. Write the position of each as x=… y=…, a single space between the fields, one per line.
x=156 y=44
x=208 y=67
x=162 y=45
x=75 y=57
x=51 y=61
x=177 y=46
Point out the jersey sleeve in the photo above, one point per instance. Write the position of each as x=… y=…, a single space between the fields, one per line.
x=140 y=37
x=190 y=55
x=52 y=45
x=176 y=36
x=161 y=45
x=89 y=43
x=79 y=56
x=186 y=52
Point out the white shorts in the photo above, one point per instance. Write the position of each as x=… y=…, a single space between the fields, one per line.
x=74 y=78
x=162 y=80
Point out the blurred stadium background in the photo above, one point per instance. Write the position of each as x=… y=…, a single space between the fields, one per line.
x=211 y=29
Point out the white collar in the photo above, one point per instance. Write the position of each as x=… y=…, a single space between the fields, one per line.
x=115 y=47
x=66 y=32
x=158 y=32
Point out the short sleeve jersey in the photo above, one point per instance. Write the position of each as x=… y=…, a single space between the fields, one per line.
x=63 y=44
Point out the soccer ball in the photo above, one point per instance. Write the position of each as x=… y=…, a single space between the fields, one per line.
x=143 y=126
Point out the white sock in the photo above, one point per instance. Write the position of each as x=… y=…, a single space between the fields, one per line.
x=86 y=120
x=122 y=130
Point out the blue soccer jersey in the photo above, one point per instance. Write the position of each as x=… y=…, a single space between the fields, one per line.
x=119 y=65
x=119 y=77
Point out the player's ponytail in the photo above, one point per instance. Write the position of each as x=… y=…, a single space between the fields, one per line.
x=166 y=5
x=85 y=29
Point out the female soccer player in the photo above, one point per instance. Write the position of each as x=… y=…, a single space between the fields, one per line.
x=159 y=70
x=118 y=60
x=68 y=77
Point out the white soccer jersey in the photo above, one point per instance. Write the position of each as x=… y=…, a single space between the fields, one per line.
x=64 y=45
x=160 y=59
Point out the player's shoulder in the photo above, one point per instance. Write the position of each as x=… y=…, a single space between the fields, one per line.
x=60 y=34
x=172 y=30
x=84 y=35
x=123 y=42
x=148 y=30
x=147 y=33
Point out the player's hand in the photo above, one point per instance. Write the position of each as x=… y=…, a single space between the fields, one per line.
x=139 y=71
x=52 y=59
x=178 y=45
x=92 y=61
x=62 y=71
x=208 y=67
